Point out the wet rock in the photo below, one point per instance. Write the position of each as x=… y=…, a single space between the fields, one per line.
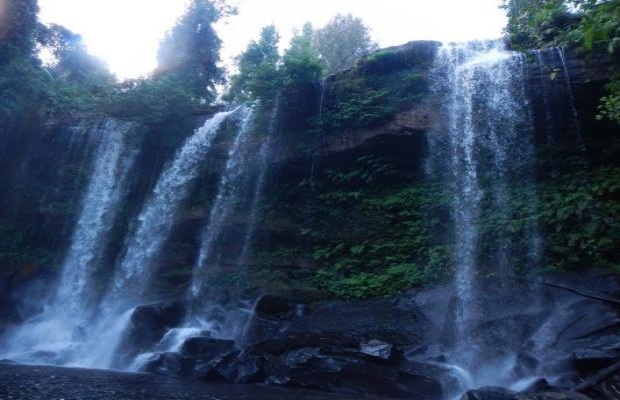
x=448 y=377
x=347 y=372
x=607 y=389
x=489 y=393
x=299 y=357
x=383 y=319
x=171 y=364
x=370 y=379
x=560 y=395
x=525 y=364
x=597 y=354
x=377 y=348
x=274 y=307
x=538 y=385
x=243 y=366
x=206 y=348
x=149 y=323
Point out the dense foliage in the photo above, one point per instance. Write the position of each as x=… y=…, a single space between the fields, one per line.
x=259 y=74
x=592 y=26
x=343 y=41
x=311 y=54
x=370 y=225
x=18 y=25
x=189 y=54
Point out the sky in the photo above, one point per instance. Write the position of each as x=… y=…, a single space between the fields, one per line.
x=126 y=33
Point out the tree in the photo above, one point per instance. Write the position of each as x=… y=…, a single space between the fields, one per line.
x=258 y=76
x=73 y=63
x=18 y=24
x=302 y=63
x=578 y=23
x=189 y=53
x=342 y=42
x=593 y=26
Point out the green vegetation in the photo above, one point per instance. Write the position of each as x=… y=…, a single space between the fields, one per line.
x=342 y=41
x=311 y=54
x=610 y=104
x=372 y=229
x=366 y=224
x=591 y=26
x=302 y=64
x=76 y=84
x=258 y=75
x=189 y=53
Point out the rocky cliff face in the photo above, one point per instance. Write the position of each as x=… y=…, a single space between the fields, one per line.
x=347 y=209
x=336 y=202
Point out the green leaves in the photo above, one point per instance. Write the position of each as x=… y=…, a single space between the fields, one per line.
x=342 y=41
x=189 y=54
x=545 y=23
x=609 y=106
x=259 y=76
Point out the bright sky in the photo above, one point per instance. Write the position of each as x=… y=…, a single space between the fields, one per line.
x=126 y=33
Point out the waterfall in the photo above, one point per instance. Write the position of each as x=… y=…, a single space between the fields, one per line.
x=103 y=196
x=58 y=334
x=264 y=156
x=160 y=211
x=481 y=152
x=211 y=303
x=211 y=308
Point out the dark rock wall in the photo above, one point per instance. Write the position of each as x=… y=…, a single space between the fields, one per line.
x=346 y=210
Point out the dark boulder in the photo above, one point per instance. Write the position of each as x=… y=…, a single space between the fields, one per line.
x=347 y=371
x=243 y=366
x=149 y=323
x=171 y=364
x=552 y=395
x=206 y=348
x=539 y=385
x=274 y=307
x=384 y=319
x=272 y=315
x=489 y=393
x=379 y=349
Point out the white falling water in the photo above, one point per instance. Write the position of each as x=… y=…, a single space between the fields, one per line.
x=229 y=188
x=264 y=157
x=160 y=212
x=58 y=335
x=103 y=197
x=155 y=221
x=205 y=315
x=485 y=140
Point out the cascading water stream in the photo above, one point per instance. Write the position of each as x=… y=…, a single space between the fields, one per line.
x=59 y=334
x=206 y=313
x=477 y=154
x=263 y=159
x=207 y=308
x=158 y=215
x=229 y=189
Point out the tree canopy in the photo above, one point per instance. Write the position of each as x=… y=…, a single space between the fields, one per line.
x=342 y=41
x=258 y=74
x=72 y=61
x=302 y=63
x=592 y=26
x=190 y=52
x=588 y=24
x=310 y=55
x=18 y=25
